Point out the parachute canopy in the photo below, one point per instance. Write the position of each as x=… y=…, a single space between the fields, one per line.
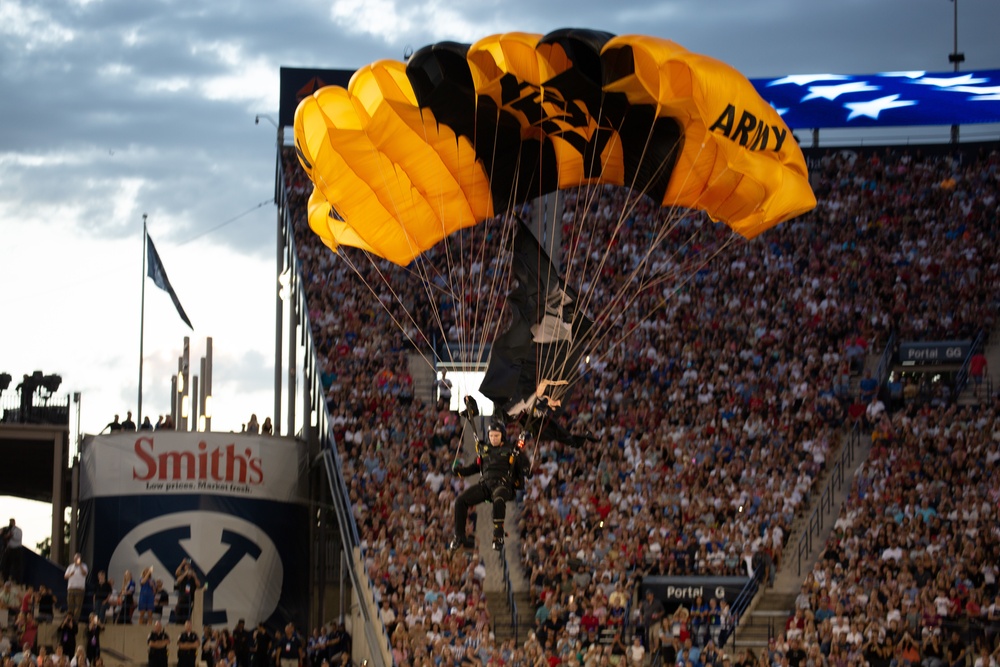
x=410 y=153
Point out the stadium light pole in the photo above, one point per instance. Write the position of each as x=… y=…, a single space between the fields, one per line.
x=955 y=58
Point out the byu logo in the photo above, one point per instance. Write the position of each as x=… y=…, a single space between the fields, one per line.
x=237 y=563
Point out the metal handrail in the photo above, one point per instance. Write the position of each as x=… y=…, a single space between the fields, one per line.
x=740 y=605
x=509 y=587
x=885 y=361
x=962 y=377
x=838 y=474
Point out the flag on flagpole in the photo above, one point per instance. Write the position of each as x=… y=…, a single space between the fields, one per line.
x=159 y=275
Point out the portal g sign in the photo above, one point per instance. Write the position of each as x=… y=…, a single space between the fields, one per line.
x=236 y=562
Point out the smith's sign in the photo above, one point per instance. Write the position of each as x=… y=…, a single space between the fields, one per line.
x=218 y=464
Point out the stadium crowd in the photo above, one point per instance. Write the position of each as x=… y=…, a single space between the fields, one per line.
x=909 y=574
x=715 y=417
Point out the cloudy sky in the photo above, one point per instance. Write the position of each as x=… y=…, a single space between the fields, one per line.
x=112 y=109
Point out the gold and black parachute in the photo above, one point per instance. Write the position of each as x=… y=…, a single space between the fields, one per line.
x=409 y=153
x=412 y=156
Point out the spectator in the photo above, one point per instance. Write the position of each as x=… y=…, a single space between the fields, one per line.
x=261 y=651
x=161 y=599
x=102 y=594
x=978 y=368
x=126 y=599
x=66 y=634
x=76 y=583
x=158 y=643
x=187 y=646
x=749 y=399
x=650 y=613
x=636 y=652
x=10 y=562
x=128 y=426
x=241 y=643
x=147 y=596
x=93 y=637
x=114 y=426
x=46 y=604
x=443 y=386
x=875 y=410
x=290 y=651
x=186 y=583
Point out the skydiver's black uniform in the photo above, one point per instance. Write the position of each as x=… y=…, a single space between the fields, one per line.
x=504 y=468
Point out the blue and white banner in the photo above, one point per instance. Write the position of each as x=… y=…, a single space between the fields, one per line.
x=887 y=99
x=235 y=505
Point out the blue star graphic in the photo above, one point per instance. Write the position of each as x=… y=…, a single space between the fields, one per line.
x=803 y=79
x=951 y=82
x=904 y=75
x=833 y=92
x=975 y=90
x=873 y=108
x=781 y=110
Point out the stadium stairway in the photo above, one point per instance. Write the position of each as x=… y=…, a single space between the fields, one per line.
x=424 y=378
x=121 y=645
x=505 y=587
x=772 y=606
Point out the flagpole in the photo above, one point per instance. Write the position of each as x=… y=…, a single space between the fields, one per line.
x=142 y=316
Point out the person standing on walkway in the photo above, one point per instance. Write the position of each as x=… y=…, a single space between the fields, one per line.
x=76 y=583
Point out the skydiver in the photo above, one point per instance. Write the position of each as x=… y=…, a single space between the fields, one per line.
x=503 y=466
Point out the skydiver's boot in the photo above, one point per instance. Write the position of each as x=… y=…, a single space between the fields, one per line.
x=498 y=535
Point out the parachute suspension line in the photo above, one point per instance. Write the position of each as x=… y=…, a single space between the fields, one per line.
x=424 y=267
x=484 y=285
x=387 y=283
x=662 y=304
x=619 y=302
x=385 y=307
x=623 y=300
x=461 y=443
x=685 y=280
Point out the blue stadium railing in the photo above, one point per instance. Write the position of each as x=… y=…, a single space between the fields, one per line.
x=962 y=377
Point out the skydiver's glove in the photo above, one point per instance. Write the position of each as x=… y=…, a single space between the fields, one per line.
x=455 y=466
x=471 y=408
